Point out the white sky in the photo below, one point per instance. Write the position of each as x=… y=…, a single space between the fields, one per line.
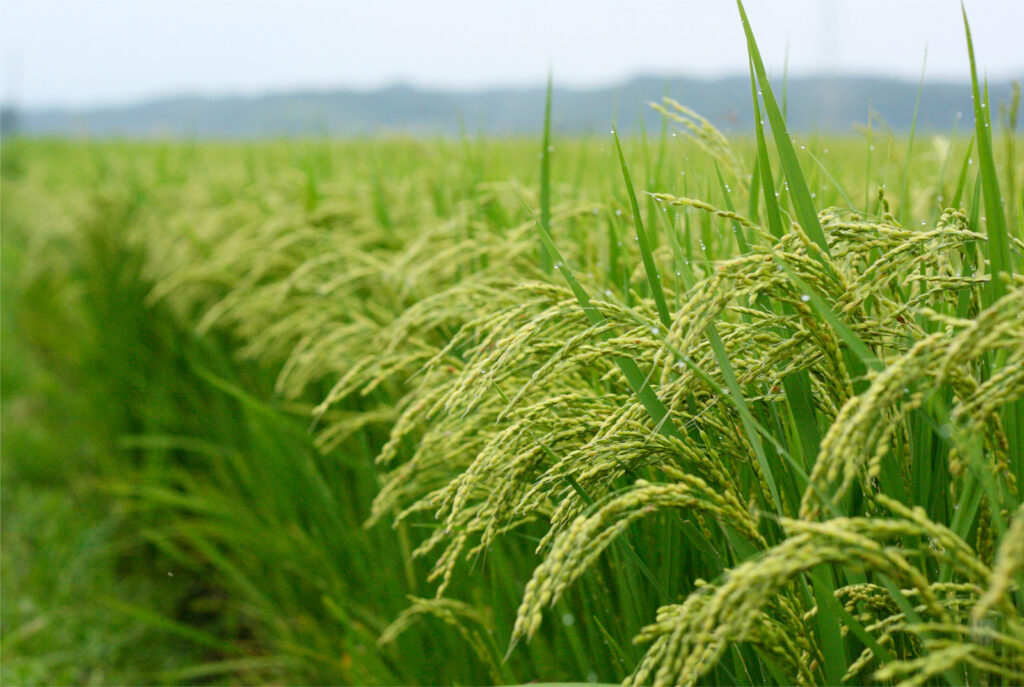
x=94 y=52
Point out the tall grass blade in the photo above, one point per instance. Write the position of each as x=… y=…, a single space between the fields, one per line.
x=741 y=239
x=545 y=176
x=764 y=167
x=653 y=278
x=803 y=204
x=998 y=246
x=797 y=384
x=1001 y=262
x=961 y=181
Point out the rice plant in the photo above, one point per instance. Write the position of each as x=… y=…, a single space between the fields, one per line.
x=483 y=420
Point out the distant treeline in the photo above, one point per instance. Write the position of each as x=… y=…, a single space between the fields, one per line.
x=828 y=104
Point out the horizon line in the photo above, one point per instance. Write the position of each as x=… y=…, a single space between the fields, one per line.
x=399 y=84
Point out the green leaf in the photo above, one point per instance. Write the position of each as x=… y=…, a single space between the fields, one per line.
x=998 y=246
x=653 y=278
x=803 y=204
x=545 y=177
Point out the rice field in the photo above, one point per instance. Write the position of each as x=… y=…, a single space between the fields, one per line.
x=672 y=409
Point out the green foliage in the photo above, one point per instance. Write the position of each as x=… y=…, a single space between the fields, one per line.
x=380 y=442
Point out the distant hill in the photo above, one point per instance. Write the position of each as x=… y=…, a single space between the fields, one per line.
x=832 y=104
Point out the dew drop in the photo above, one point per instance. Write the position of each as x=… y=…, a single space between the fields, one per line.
x=805 y=297
x=568 y=619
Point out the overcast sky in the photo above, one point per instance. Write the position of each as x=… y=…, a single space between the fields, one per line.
x=92 y=52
